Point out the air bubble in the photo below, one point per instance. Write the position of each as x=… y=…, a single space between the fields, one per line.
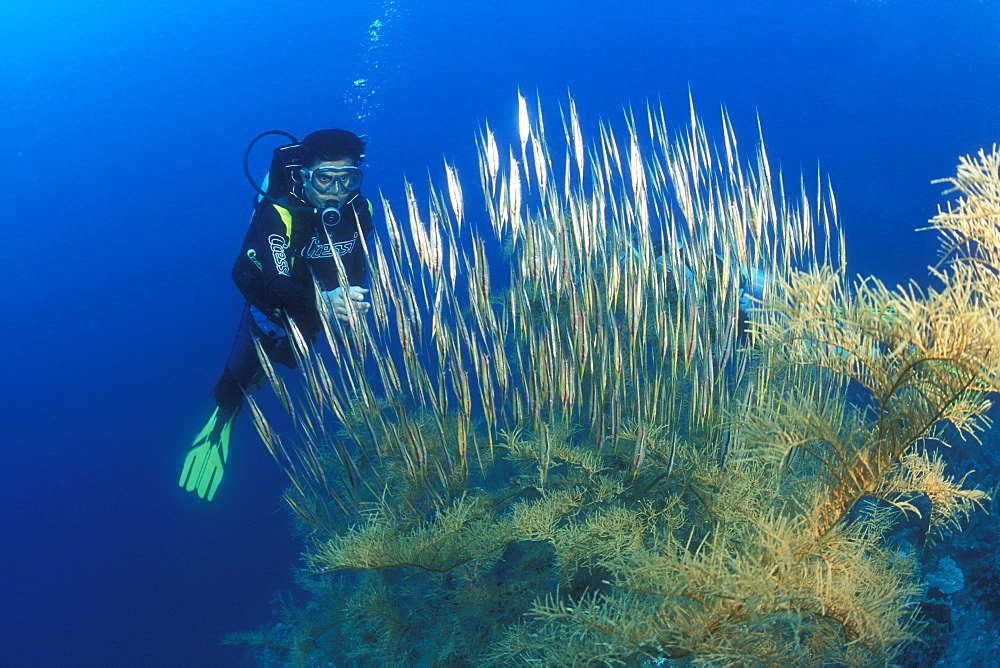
x=361 y=100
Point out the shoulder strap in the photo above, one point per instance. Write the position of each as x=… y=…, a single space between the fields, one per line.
x=286 y=218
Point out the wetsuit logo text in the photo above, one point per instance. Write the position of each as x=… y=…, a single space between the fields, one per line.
x=317 y=249
x=277 y=243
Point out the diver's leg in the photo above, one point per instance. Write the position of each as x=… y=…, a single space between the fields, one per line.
x=243 y=374
x=206 y=459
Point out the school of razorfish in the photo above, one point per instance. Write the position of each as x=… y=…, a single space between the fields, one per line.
x=613 y=306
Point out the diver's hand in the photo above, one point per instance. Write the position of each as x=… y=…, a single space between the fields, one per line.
x=343 y=298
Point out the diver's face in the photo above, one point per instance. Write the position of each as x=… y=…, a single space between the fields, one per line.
x=334 y=196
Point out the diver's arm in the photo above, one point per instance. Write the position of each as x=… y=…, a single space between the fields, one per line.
x=289 y=295
x=355 y=265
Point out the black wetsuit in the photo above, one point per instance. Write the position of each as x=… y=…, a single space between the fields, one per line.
x=283 y=252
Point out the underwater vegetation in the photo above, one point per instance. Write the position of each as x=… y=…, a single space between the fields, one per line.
x=661 y=425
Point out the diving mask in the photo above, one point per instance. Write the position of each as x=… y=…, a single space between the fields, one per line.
x=330 y=179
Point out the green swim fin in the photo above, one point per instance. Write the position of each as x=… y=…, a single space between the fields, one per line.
x=206 y=460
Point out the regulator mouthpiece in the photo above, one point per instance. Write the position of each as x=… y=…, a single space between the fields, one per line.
x=330 y=216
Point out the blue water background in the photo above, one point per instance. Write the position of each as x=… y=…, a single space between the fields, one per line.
x=121 y=134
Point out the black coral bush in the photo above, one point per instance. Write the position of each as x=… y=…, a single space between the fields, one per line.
x=665 y=428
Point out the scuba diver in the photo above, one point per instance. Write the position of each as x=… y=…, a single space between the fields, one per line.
x=308 y=208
